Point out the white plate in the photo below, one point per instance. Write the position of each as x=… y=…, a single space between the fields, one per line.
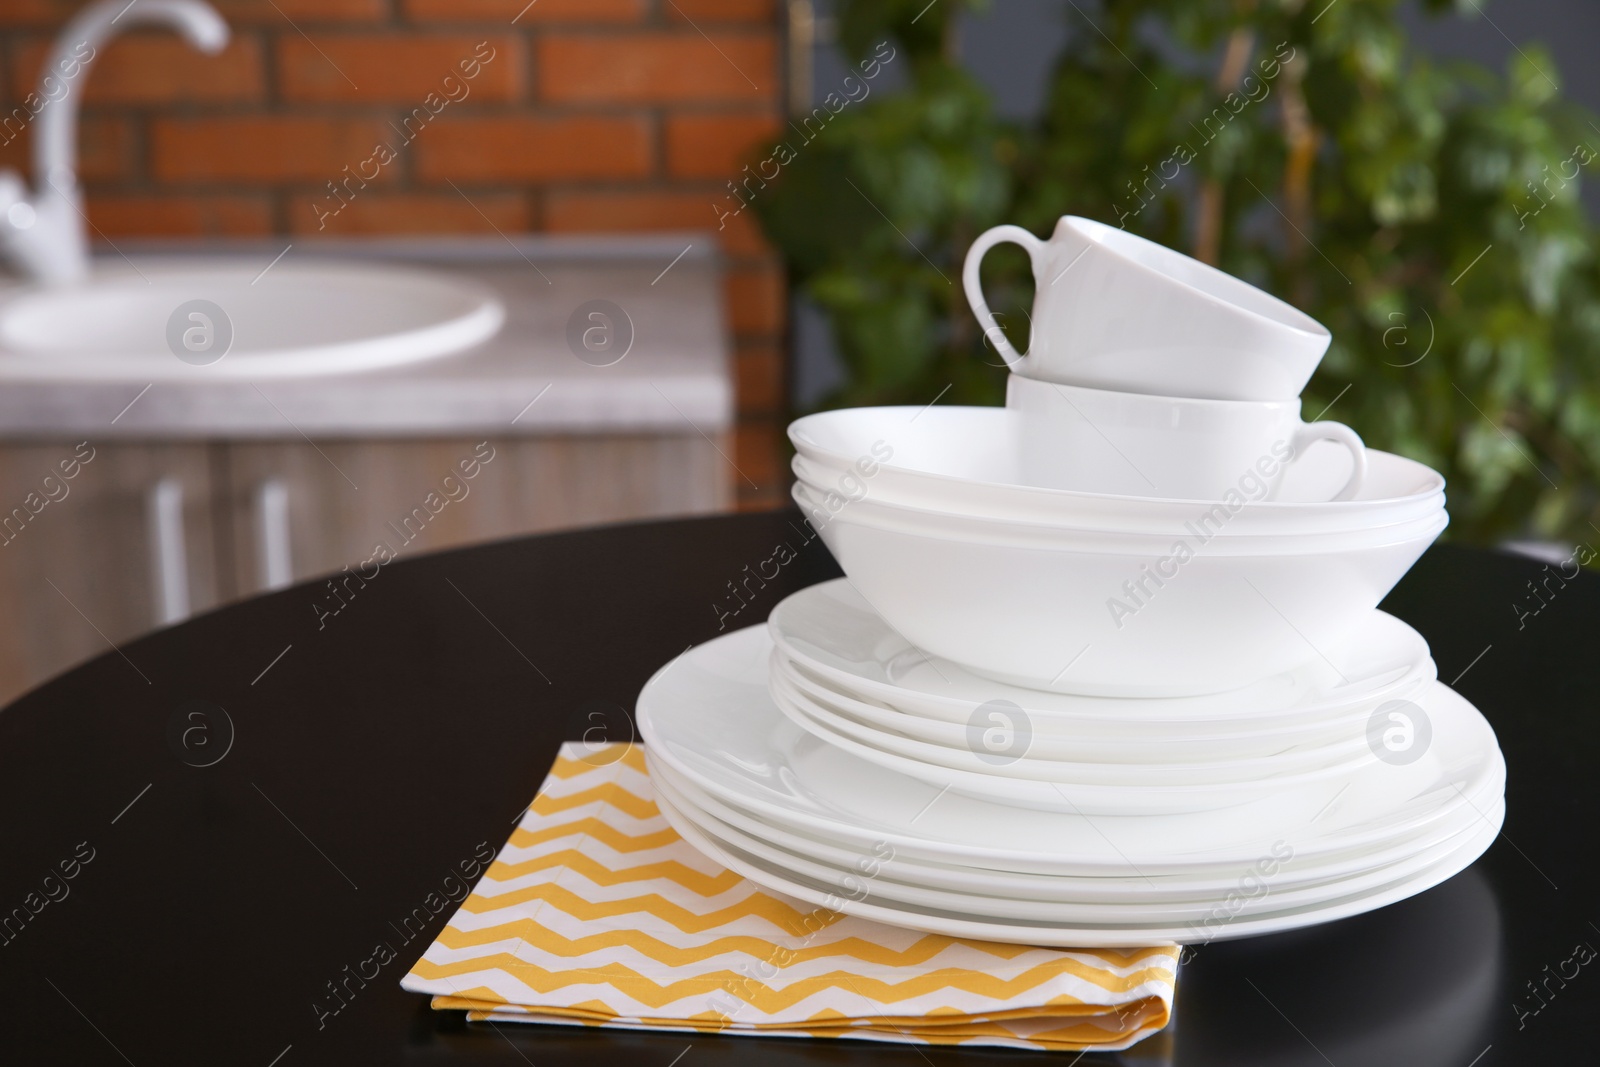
x=1261 y=895
x=1080 y=935
x=1282 y=870
x=1004 y=745
x=1142 y=743
x=708 y=716
x=1062 y=793
x=834 y=633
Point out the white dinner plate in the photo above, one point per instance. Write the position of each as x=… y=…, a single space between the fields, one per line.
x=709 y=717
x=1080 y=935
x=1258 y=896
x=1286 y=869
x=830 y=630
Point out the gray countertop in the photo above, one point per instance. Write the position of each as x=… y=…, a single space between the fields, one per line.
x=676 y=377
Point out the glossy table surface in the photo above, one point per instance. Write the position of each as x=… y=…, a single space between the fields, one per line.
x=248 y=803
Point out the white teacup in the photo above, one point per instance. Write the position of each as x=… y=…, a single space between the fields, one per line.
x=1136 y=444
x=1115 y=311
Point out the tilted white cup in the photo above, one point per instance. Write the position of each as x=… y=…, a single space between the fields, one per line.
x=1115 y=311
x=1135 y=444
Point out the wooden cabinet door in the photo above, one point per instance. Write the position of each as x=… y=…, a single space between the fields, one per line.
x=143 y=534
x=299 y=510
x=99 y=543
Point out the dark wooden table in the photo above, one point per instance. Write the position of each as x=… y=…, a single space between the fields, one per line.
x=250 y=802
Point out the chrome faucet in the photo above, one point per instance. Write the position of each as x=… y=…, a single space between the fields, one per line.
x=44 y=234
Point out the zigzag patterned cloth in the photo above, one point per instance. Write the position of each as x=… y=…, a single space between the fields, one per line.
x=597 y=912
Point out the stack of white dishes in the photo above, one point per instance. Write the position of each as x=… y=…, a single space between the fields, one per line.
x=839 y=828
x=1108 y=667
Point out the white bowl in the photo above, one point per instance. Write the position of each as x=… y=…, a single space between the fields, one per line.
x=1201 y=533
x=968 y=460
x=1109 y=620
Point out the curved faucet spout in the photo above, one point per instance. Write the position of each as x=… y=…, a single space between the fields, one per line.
x=74 y=51
x=49 y=241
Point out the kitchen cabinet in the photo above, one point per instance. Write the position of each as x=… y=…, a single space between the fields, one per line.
x=301 y=510
x=89 y=561
x=145 y=534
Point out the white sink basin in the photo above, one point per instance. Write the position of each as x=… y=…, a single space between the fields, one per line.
x=137 y=322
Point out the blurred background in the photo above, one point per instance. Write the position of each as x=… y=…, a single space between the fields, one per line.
x=703 y=216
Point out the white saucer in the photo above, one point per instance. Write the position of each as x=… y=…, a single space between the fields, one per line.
x=1315 y=743
x=707 y=716
x=965 y=750
x=831 y=631
x=1143 y=790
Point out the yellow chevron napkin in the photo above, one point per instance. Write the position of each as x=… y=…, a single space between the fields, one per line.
x=597 y=912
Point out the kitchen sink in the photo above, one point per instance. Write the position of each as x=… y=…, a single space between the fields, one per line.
x=185 y=319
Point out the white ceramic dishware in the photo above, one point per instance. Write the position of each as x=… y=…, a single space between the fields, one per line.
x=991 y=727
x=885 y=862
x=1200 y=532
x=1110 y=620
x=902 y=852
x=1080 y=789
x=1132 y=907
x=828 y=633
x=1140 y=444
x=1304 y=856
x=707 y=717
x=979 y=922
x=1115 y=311
x=967 y=460
x=992 y=732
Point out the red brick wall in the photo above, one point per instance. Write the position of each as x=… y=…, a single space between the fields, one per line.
x=591 y=115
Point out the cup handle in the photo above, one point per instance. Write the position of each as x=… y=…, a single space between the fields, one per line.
x=969 y=281
x=1311 y=432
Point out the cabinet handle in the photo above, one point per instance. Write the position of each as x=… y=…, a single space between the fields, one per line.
x=275 y=566
x=169 y=564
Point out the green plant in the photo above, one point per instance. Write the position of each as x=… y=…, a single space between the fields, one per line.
x=1426 y=212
